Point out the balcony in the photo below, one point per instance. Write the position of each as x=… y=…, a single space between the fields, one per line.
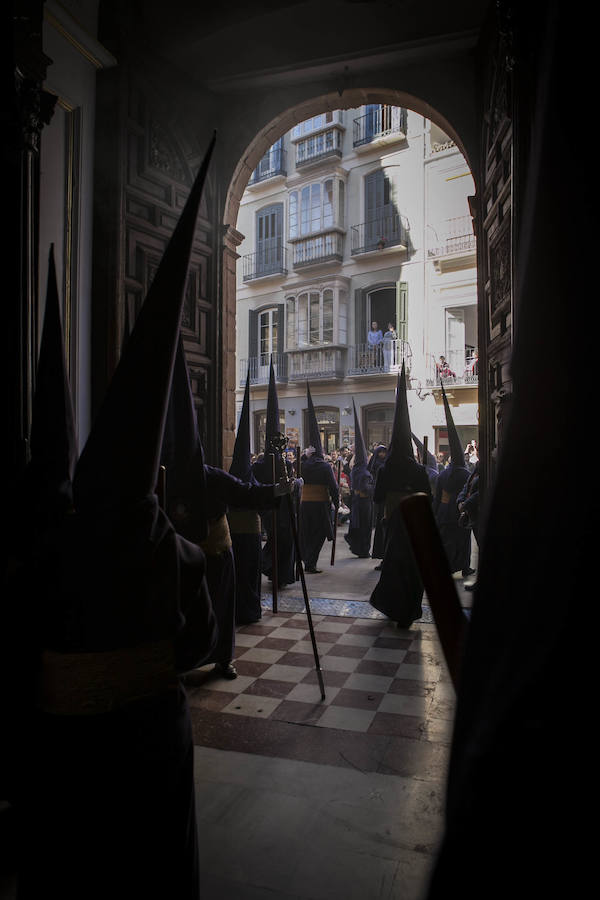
x=456 y=243
x=321 y=248
x=379 y=126
x=324 y=364
x=384 y=359
x=272 y=164
x=265 y=263
x=461 y=370
x=378 y=234
x=259 y=368
x=317 y=147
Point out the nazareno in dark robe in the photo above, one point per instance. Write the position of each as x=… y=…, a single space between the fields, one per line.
x=222 y=491
x=107 y=779
x=399 y=591
x=456 y=540
x=358 y=537
x=316 y=523
x=286 y=552
x=375 y=464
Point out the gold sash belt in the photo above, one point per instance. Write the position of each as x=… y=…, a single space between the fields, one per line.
x=446 y=497
x=361 y=493
x=218 y=539
x=87 y=684
x=392 y=501
x=315 y=492
x=244 y=521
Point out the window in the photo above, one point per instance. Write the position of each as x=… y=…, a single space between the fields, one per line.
x=316 y=207
x=310 y=319
x=328 y=422
x=313 y=124
x=269 y=235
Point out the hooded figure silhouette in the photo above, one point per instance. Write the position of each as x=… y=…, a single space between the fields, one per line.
x=320 y=490
x=449 y=484
x=121 y=611
x=362 y=484
x=399 y=590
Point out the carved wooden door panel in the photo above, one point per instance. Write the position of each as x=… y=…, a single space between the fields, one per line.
x=153 y=166
x=496 y=233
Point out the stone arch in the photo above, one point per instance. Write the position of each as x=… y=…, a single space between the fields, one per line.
x=264 y=138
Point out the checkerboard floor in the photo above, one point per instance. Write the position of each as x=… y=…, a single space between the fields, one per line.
x=386 y=689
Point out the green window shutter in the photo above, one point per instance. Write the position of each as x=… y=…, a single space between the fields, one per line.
x=402 y=310
x=252 y=334
x=360 y=317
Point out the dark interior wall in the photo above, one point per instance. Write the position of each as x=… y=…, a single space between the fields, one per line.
x=148 y=150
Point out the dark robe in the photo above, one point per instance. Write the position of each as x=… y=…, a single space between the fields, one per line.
x=361 y=512
x=107 y=777
x=375 y=464
x=399 y=591
x=456 y=540
x=316 y=520
x=222 y=491
x=245 y=528
x=286 y=553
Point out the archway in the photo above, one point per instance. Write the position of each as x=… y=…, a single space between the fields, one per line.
x=255 y=154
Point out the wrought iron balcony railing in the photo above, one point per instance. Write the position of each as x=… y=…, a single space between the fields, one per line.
x=461 y=369
x=273 y=163
x=327 y=362
x=318 y=249
x=385 y=121
x=267 y=261
x=456 y=237
x=386 y=357
x=381 y=232
x=259 y=368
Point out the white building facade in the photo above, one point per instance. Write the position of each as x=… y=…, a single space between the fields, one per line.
x=354 y=217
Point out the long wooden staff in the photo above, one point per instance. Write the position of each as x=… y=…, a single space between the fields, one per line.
x=335 y=515
x=306 y=600
x=424 y=460
x=274 y=553
x=435 y=572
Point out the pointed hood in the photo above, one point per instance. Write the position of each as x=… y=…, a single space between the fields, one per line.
x=314 y=435
x=431 y=463
x=457 y=456
x=182 y=456
x=47 y=478
x=241 y=466
x=360 y=450
x=121 y=457
x=401 y=442
x=272 y=425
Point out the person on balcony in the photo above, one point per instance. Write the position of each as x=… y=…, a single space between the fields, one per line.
x=443 y=369
x=374 y=340
x=388 y=346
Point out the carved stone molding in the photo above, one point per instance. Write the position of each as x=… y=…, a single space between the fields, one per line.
x=36 y=108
